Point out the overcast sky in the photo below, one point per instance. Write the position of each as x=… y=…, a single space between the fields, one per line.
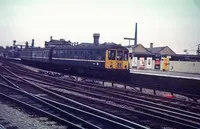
x=173 y=23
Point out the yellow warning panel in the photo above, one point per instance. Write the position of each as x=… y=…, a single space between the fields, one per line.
x=111 y=61
x=165 y=64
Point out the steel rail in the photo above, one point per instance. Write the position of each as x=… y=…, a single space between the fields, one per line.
x=121 y=120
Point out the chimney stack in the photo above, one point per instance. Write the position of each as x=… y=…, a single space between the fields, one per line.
x=32 y=45
x=14 y=43
x=151 y=45
x=135 y=41
x=51 y=38
x=26 y=44
x=96 y=38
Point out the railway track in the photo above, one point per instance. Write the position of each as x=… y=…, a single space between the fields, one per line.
x=163 y=112
x=33 y=103
x=123 y=100
x=157 y=100
x=185 y=105
x=112 y=122
x=2 y=127
x=132 y=101
x=41 y=108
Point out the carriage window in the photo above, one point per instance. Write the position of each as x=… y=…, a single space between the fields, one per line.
x=97 y=52
x=81 y=55
x=75 y=53
x=111 y=54
x=44 y=54
x=61 y=53
x=70 y=52
x=126 y=55
x=54 y=54
x=119 y=55
x=90 y=52
x=66 y=53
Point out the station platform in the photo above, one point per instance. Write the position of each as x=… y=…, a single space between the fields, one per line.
x=187 y=84
x=171 y=74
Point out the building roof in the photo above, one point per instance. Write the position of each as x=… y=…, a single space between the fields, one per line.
x=132 y=46
x=186 y=55
x=93 y=46
x=156 y=49
x=135 y=49
x=61 y=41
x=165 y=50
x=143 y=53
x=102 y=44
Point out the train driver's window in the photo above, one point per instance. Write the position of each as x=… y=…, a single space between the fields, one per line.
x=119 y=55
x=125 y=55
x=112 y=54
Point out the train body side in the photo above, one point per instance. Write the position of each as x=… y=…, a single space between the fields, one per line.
x=82 y=57
x=93 y=60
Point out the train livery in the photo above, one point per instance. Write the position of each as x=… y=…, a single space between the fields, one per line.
x=99 y=60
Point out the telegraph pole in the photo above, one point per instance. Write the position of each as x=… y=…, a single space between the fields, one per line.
x=129 y=39
x=135 y=39
x=198 y=49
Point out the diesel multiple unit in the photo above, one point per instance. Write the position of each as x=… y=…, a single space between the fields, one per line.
x=96 y=59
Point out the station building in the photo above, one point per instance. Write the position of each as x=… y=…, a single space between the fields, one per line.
x=58 y=43
x=150 y=58
x=164 y=50
x=162 y=58
x=138 y=56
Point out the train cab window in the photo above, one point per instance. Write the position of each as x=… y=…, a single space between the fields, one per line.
x=119 y=55
x=112 y=54
x=125 y=55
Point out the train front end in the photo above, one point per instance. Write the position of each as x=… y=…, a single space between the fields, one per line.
x=116 y=62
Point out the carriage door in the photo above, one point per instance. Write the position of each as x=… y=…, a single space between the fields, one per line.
x=119 y=62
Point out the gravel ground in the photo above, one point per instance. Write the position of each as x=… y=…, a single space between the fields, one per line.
x=17 y=118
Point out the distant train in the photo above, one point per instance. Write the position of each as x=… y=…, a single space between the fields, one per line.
x=99 y=60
